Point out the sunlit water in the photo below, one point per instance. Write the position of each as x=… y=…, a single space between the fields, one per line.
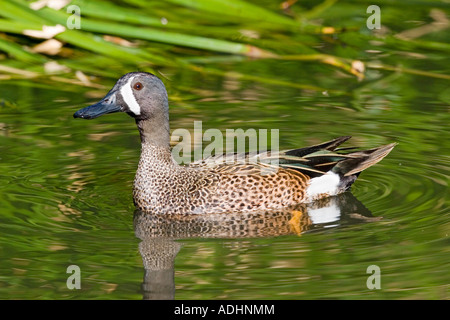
x=65 y=188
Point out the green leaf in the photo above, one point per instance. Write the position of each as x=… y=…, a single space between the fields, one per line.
x=19 y=53
x=237 y=9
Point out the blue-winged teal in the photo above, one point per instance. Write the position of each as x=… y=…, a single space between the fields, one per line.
x=210 y=186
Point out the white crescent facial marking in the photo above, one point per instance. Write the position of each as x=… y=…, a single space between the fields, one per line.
x=128 y=96
x=328 y=184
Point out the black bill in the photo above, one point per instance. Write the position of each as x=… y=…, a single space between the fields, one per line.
x=106 y=105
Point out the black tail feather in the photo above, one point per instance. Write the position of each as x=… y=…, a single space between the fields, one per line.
x=330 y=145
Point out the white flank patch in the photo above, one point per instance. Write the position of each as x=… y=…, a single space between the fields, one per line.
x=325 y=214
x=326 y=184
x=128 y=97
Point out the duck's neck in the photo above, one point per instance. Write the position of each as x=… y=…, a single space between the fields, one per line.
x=155 y=130
x=155 y=141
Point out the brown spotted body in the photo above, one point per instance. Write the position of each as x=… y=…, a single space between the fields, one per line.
x=163 y=185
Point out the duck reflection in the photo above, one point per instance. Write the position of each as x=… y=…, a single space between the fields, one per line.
x=159 y=233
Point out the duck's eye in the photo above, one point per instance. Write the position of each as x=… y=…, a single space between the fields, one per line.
x=138 y=86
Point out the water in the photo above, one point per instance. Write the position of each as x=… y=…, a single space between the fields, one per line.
x=65 y=194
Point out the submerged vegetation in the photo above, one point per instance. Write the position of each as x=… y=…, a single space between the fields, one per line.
x=72 y=41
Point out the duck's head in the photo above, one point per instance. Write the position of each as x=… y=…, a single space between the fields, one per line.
x=140 y=94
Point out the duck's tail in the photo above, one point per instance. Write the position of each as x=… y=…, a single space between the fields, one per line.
x=361 y=160
x=332 y=170
x=349 y=169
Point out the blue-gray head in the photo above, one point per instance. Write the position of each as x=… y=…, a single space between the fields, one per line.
x=141 y=95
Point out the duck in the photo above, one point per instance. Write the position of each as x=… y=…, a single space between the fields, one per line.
x=211 y=185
